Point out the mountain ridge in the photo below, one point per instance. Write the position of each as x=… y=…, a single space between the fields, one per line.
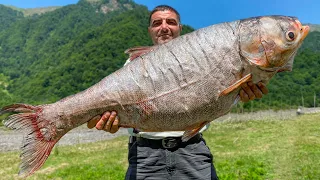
x=104 y=6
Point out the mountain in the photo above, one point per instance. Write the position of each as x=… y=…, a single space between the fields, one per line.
x=312 y=41
x=34 y=11
x=47 y=57
x=8 y=16
x=102 y=6
x=314 y=27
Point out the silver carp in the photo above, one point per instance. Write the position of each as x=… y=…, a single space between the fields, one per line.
x=178 y=86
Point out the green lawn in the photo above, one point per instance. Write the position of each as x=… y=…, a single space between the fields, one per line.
x=273 y=149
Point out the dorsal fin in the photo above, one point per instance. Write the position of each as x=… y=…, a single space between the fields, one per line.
x=138 y=51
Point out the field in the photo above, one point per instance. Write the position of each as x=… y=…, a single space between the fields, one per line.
x=255 y=149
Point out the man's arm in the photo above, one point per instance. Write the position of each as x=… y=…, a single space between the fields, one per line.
x=109 y=121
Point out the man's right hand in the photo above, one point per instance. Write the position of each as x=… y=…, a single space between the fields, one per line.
x=252 y=91
x=108 y=122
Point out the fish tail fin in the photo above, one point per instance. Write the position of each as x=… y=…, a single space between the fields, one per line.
x=36 y=148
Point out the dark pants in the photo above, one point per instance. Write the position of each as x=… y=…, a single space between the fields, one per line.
x=148 y=159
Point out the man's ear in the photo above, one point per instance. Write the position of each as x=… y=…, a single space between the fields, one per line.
x=149 y=32
x=180 y=26
x=149 y=29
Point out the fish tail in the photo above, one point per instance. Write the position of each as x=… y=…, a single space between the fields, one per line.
x=36 y=148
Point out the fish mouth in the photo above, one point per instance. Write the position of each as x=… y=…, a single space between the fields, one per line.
x=305 y=31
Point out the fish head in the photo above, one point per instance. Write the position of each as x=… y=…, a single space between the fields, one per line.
x=271 y=42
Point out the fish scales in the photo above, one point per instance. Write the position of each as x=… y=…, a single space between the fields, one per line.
x=168 y=86
x=169 y=73
x=177 y=86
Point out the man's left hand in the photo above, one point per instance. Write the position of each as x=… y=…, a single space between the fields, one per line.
x=252 y=91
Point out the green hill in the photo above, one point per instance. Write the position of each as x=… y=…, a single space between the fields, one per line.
x=314 y=27
x=34 y=11
x=62 y=52
x=8 y=16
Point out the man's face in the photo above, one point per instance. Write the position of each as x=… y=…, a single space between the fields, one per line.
x=164 y=26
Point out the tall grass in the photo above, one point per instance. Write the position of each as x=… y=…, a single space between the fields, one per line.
x=269 y=149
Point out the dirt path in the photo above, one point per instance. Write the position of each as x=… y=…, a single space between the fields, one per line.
x=12 y=140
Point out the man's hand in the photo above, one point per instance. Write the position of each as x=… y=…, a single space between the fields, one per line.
x=108 y=122
x=251 y=91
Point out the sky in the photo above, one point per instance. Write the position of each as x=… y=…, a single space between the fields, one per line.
x=203 y=13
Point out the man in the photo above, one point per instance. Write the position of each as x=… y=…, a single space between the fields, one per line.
x=162 y=155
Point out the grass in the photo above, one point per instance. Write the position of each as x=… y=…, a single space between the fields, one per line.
x=101 y=160
x=273 y=149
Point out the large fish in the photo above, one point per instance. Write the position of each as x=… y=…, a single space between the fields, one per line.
x=177 y=86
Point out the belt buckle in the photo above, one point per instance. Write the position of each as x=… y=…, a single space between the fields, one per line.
x=169 y=142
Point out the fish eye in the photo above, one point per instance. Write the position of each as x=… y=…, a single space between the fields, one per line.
x=290 y=36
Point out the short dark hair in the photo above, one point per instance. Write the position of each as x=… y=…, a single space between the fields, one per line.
x=163 y=8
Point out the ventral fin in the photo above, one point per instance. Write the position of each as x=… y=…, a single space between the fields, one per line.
x=236 y=85
x=190 y=133
x=138 y=51
x=259 y=62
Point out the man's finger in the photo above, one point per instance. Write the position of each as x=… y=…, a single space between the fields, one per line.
x=115 y=125
x=243 y=96
x=92 y=122
x=256 y=91
x=263 y=88
x=100 y=125
x=110 y=120
x=247 y=90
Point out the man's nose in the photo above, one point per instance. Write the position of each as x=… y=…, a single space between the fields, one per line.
x=164 y=25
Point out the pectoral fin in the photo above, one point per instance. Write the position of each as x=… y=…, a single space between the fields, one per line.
x=190 y=133
x=236 y=85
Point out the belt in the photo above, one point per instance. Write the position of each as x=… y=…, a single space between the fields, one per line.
x=166 y=143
